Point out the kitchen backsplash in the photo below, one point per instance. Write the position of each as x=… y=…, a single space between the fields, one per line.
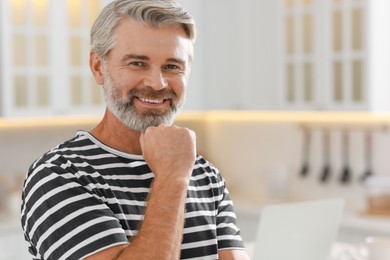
x=264 y=161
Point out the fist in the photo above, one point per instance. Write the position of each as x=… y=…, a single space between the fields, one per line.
x=170 y=151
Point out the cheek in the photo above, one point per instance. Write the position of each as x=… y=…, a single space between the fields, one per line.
x=180 y=86
x=127 y=81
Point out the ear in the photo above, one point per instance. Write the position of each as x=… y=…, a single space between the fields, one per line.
x=96 y=65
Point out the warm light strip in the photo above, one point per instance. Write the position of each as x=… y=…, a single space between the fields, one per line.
x=333 y=118
x=301 y=117
x=8 y=123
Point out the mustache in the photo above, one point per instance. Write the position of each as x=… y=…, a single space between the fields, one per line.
x=148 y=92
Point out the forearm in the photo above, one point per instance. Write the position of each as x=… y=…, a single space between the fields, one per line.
x=170 y=153
x=161 y=232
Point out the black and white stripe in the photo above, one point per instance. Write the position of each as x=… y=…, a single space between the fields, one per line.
x=83 y=196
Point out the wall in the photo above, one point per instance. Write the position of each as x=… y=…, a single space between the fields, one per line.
x=18 y=149
x=261 y=161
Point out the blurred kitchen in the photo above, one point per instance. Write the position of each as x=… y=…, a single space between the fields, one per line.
x=289 y=98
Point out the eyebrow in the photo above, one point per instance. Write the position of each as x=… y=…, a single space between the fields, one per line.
x=180 y=61
x=135 y=57
x=146 y=58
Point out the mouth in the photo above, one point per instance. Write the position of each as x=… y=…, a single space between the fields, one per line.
x=151 y=101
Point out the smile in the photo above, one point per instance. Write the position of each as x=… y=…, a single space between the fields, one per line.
x=152 y=101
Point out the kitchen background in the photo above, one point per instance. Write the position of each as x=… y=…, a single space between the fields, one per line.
x=289 y=98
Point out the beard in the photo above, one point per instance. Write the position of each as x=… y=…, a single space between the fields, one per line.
x=124 y=109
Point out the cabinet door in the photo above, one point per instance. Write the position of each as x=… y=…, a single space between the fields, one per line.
x=346 y=60
x=323 y=59
x=83 y=95
x=298 y=61
x=25 y=71
x=45 y=45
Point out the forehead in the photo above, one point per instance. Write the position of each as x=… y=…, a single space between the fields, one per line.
x=132 y=37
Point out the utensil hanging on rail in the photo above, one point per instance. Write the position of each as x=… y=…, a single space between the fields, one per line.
x=326 y=170
x=346 y=174
x=367 y=155
x=306 y=152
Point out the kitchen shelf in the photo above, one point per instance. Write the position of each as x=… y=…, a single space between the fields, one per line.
x=310 y=118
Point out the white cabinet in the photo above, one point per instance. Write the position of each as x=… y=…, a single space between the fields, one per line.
x=296 y=54
x=44 y=57
x=323 y=58
x=333 y=54
x=249 y=54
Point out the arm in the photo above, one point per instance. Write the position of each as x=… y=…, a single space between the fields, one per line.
x=170 y=153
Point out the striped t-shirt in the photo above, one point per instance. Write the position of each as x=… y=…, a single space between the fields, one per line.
x=83 y=196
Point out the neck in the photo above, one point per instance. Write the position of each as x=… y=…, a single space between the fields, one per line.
x=113 y=133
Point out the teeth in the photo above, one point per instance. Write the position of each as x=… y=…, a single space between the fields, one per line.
x=154 y=101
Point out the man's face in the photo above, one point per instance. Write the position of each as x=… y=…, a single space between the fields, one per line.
x=146 y=75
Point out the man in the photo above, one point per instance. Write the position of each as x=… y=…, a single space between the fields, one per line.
x=133 y=187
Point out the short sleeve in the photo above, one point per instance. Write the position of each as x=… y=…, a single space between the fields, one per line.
x=64 y=219
x=228 y=234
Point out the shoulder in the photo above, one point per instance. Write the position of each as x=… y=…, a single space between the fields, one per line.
x=58 y=163
x=70 y=149
x=203 y=166
x=205 y=174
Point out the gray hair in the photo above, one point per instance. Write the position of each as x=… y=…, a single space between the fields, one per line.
x=155 y=13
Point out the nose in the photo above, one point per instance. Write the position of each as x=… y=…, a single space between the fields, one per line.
x=155 y=79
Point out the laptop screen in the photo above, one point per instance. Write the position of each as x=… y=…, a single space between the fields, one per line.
x=298 y=231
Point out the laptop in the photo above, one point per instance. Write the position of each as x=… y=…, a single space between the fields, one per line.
x=298 y=231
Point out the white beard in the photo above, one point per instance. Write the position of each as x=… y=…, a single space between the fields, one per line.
x=124 y=109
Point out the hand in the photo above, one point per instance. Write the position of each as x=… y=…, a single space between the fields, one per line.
x=170 y=151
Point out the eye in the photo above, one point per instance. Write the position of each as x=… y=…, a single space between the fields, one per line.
x=173 y=68
x=137 y=64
